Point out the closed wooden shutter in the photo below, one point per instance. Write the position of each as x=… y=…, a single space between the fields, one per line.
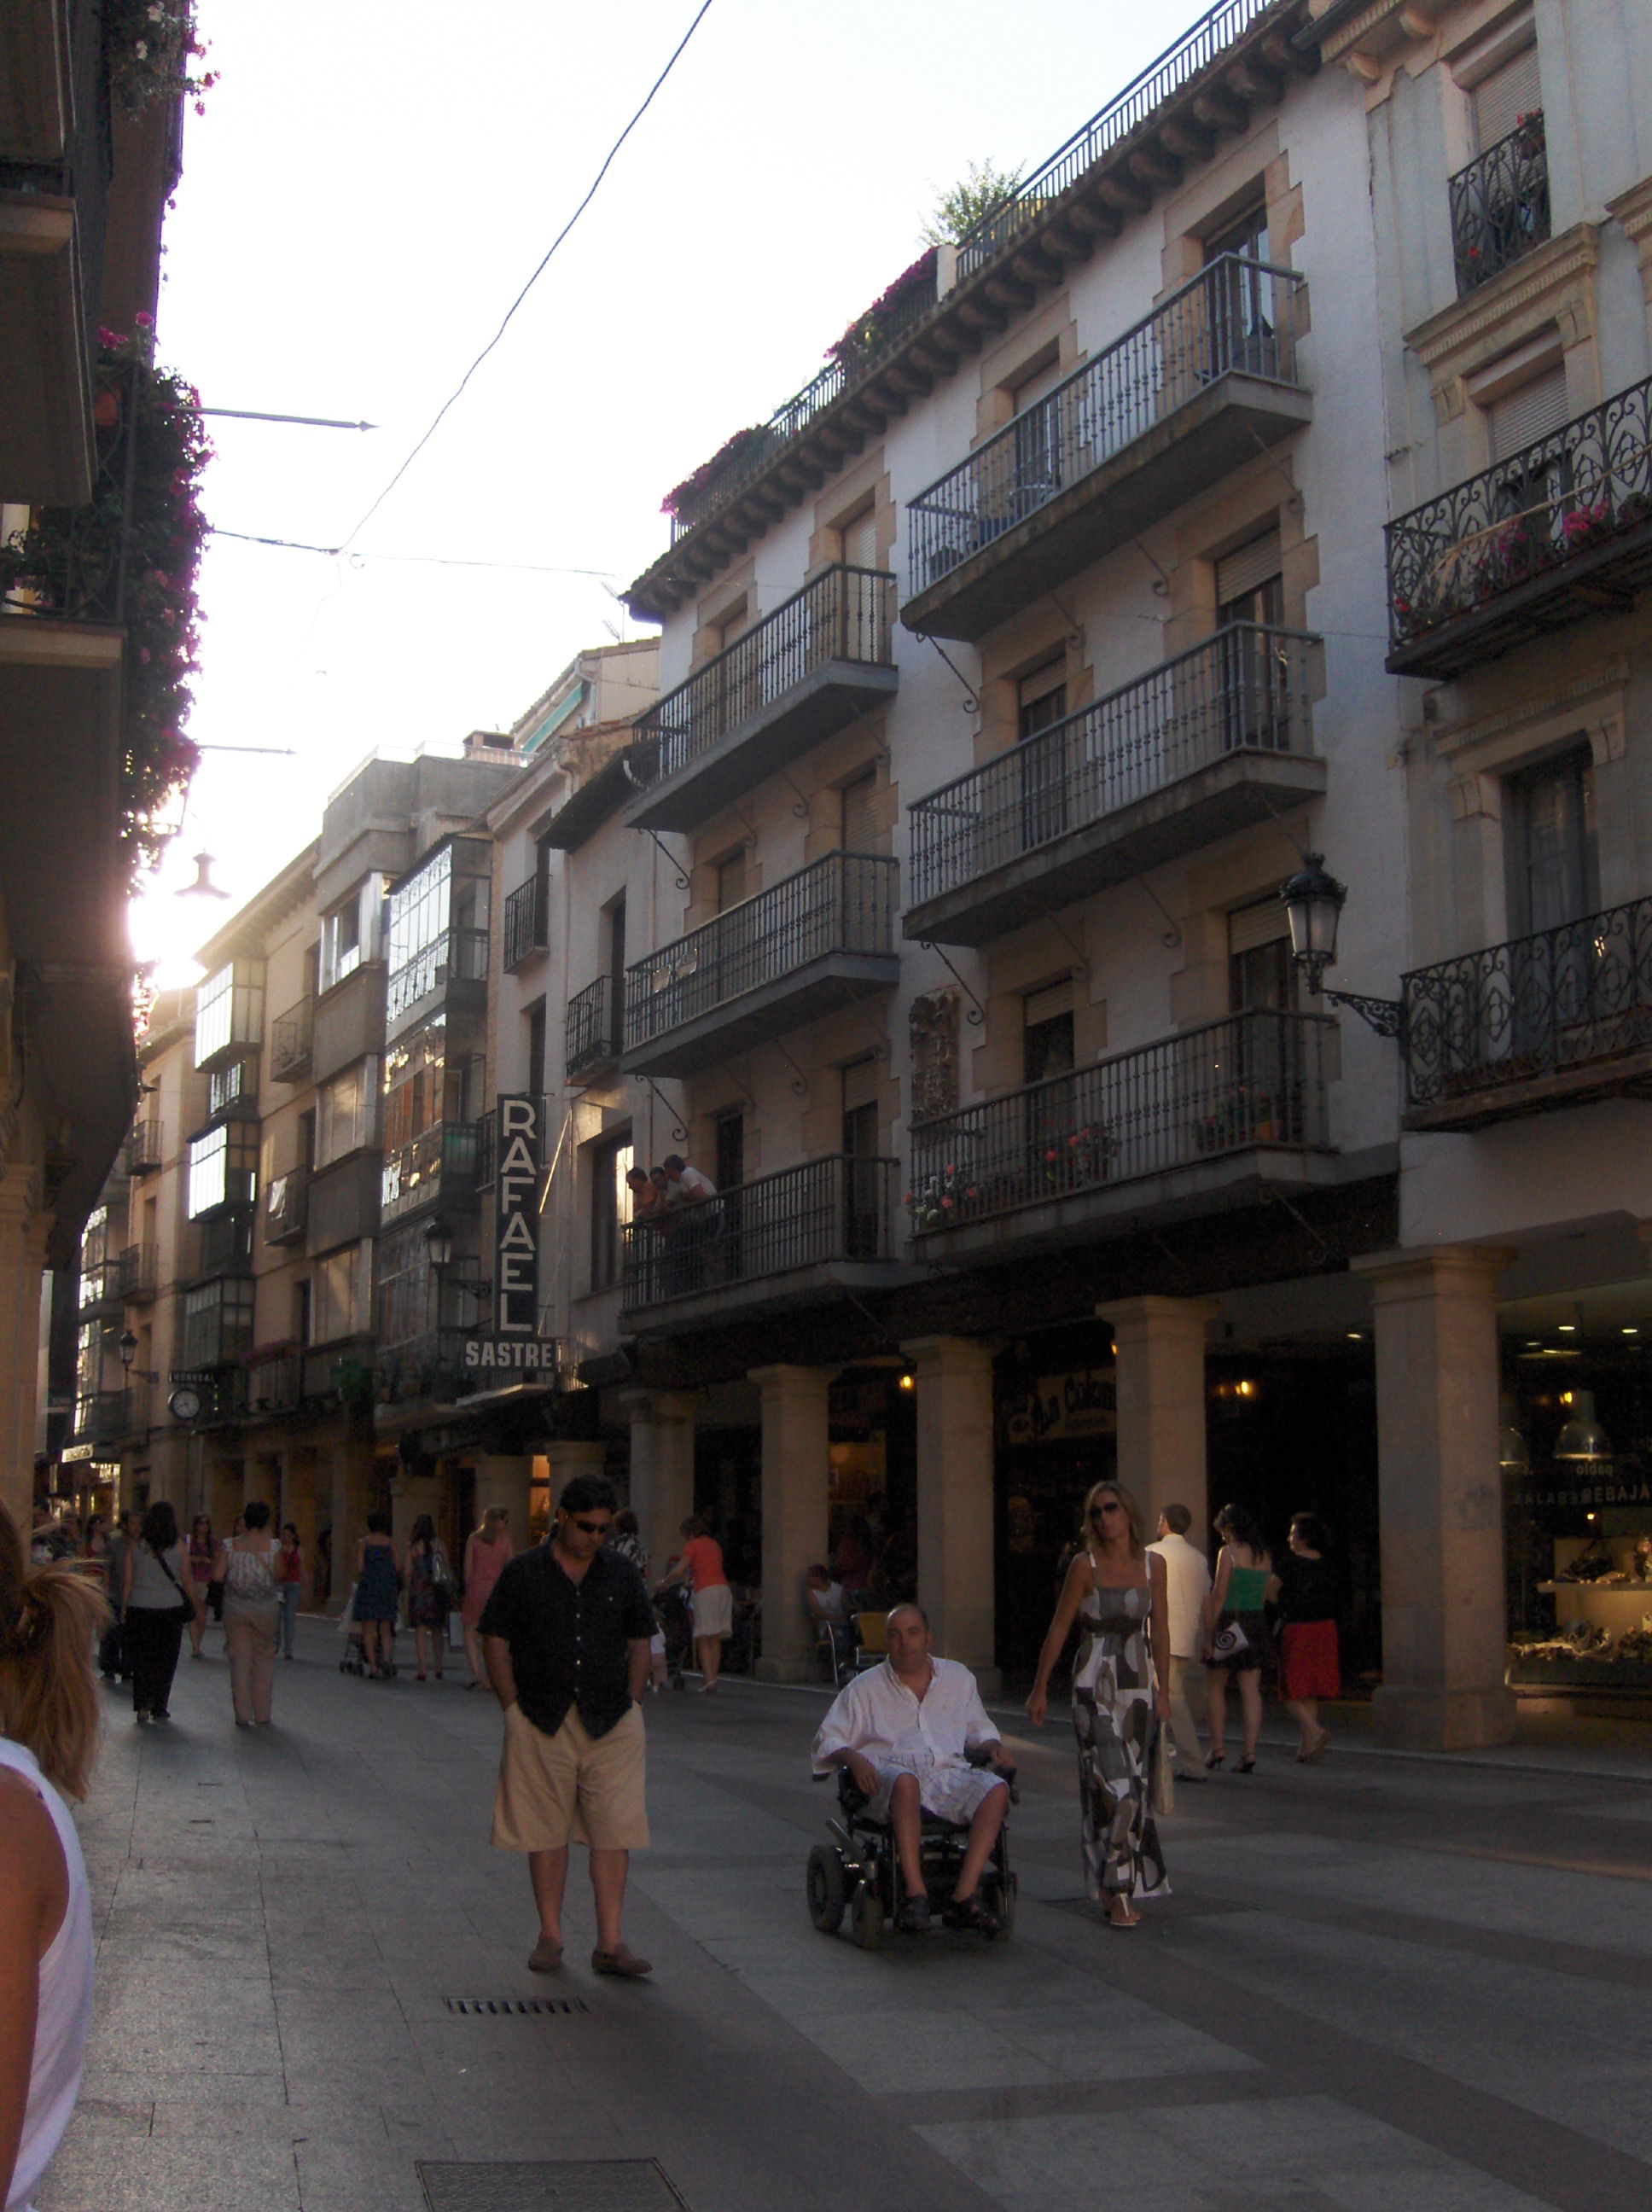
x=859 y=538
x=860 y=1084
x=1499 y=101
x=860 y=814
x=1045 y=1004
x=1248 y=569
x=730 y=881
x=1528 y=413
x=1260 y=924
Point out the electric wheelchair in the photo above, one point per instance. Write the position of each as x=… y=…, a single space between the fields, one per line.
x=860 y=1872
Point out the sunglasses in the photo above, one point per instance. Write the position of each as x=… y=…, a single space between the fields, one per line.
x=590 y=1527
x=1107 y=1505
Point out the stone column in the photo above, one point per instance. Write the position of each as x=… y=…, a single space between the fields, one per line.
x=953 y=1380
x=352 y=1489
x=22 y=1252
x=1441 y=1500
x=504 y=1479
x=298 y=1505
x=1158 y=1350
x=795 y=1487
x=566 y=1458
x=661 y=1489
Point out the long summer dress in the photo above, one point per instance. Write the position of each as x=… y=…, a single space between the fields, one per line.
x=488 y=1562
x=1113 y=1719
x=376 y=1593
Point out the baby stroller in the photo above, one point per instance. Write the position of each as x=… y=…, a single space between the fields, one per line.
x=354 y=1660
x=860 y=1872
x=674 y=1609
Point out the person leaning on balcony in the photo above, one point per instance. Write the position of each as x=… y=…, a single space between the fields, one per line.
x=694 y=1219
x=248 y=1569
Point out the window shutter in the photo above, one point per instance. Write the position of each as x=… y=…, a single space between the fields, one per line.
x=861 y=539
x=1263 y=923
x=1055 y=998
x=860 y=1084
x=1502 y=98
x=860 y=814
x=1524 y=415
x=1251 y=565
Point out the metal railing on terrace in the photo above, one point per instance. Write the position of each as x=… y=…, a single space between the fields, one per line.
x=845 y=614
x=1561 y=1001
x=1247 y=687
x=592 y=1034
x=459 y=957
x=1236 y=316
x=845 y=902
x=140 y=1272
x=1531 y=514
x=527 y=922
x=1195 y=50
x=1255 y=1078
x=291 y=1036
x=1500 y=203
x=839 y=1207
x=143 y=1145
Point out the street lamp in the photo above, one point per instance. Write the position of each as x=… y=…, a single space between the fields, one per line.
x=1312 y=902
x=127 y=1348
x=439 y=1244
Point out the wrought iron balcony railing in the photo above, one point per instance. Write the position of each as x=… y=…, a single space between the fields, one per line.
x=844 y=615
x=1246 y=687
x=430 y=1367
x=1253 y=1079
x=140 y=1274
x=527 y=922
x=844 y=903
x=1235 y=316
x=1520 y=535
x=461 y=956
x=143 y=1146
x=1545 y=1020
x=291 y=1040
x=592 y=1032
x=837 y=1208
x=1500 y=203
x=286 y=1206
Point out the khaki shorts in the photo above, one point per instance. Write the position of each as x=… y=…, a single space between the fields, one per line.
x=571 y=1784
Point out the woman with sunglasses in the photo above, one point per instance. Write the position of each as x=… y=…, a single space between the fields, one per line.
x=1116 y=1590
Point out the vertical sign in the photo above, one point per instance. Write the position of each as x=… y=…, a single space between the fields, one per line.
x=516 y=1218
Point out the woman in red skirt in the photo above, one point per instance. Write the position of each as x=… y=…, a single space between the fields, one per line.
x=1304 y=1590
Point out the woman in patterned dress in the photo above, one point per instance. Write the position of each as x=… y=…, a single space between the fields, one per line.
x=1115 y=1589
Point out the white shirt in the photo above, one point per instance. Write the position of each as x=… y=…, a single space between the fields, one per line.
x=64 y=2015
x=689 y=1186
x=829 y=1604
x=879 y=1715
x=1188 y=1580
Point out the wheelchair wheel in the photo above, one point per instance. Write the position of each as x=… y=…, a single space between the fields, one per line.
x=1003 y=1906
x=866 y=1919
x=827 y=1896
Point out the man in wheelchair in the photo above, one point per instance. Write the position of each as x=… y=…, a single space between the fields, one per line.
x=916 y=1741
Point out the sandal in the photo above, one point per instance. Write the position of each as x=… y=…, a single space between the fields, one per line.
x=1246 y=1766
x=970 y=1912
x=1214 y=1760
x=1128 y=1918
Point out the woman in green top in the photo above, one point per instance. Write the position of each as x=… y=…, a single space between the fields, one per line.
x=1235 y=1631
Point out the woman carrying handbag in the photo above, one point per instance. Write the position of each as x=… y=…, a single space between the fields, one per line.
x=158 y=1596
x=1235 y=1631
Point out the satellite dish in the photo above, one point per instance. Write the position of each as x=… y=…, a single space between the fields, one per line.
x=203 y=886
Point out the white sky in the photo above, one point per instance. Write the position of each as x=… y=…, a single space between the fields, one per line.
x=372 y=182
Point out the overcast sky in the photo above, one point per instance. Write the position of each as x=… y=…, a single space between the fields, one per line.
x=372 y=183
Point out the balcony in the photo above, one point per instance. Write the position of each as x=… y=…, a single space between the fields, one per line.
x=109 y=1417
x=343 y=1201
x=143 y=1146
x=292 y=1041
x=1160 y=416
x=453 y=969
x=796 y=675
x=100 y=1293
x=1500 y=205
x=768 y=965
x=429 y=1368
x=1560 y=1018
x=527 y=923
x=286 y=1207
x=349 y=1022
x=592 y=1032
x=221 y=1246
x=790 y=1239
x=1218 y=738
x=1187 y=1124
x=140 y=1274
x=1552 y=535
x=437 y=1167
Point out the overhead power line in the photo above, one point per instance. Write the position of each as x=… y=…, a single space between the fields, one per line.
x=458 y=393
x=306 y=422
x=411 y=560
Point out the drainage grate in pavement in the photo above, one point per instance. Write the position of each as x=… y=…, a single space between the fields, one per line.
x=596 y=2184
x=471 y=2008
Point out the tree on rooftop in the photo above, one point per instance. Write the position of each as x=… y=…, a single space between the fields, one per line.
x=978 y=191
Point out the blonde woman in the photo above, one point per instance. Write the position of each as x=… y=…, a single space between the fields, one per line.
x=49 y=1617
x=486 y=1551
x=1116 y=1590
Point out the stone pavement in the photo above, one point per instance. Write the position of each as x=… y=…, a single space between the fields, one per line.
x=1380 y=1984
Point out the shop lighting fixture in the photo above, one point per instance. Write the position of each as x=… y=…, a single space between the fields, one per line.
x=909 y=1383
x=1355 y=1336
x=1513 y=1455
x=1245 y=1389
x=1629 y=1331
x=1582 y=1436
x=1568 y=1328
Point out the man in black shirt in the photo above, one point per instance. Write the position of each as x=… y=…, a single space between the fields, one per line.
x=566 y=1638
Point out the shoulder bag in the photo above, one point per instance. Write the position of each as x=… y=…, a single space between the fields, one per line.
x=185 y=1608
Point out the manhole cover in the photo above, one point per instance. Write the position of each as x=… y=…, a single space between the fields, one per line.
x=596 y=2184
x=500 y=2008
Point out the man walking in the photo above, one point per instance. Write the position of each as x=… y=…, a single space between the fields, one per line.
x=565 y=1635
x=1188 y=1578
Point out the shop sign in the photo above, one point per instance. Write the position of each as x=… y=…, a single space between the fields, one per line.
x=78 y=1451
x=1060 y=1408
x=514 y=1343
x=1600 y=1490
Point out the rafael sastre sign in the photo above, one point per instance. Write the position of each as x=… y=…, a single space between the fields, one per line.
x=514 y=1343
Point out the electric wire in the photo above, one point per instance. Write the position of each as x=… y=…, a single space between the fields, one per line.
x=413 y=559
x=612 y=155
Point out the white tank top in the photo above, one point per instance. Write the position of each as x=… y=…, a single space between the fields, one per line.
x=65 y=2003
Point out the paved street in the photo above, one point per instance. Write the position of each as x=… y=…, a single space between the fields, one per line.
x=1380 y=1984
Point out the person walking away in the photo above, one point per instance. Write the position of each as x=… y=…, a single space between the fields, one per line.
x=1116 y=1589
x=49 y=1618
x=1188 y=1580
x=1236 y=1631
x=487 y=1551
x=202 y=1553
x=627 y=1540
x=566 y=1636
x=289 y=1574
x=428 y=1579
x=700 y=1564
x=158 y=1594
x=378 y=1594
x=1310 y=1665
x=248 y=1566
x=112 y=1652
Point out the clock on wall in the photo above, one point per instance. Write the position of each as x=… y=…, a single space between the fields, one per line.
x=185 y=1404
